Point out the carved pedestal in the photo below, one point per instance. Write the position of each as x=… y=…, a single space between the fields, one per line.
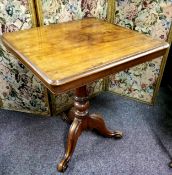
x=82 y=120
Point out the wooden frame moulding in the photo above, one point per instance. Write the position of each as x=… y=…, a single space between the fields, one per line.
x=110 y=10
x=39 y=12
x=32 y=12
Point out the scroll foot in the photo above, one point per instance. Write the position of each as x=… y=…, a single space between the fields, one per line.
x=74 y=133
x=62 y=166
x=95 y=121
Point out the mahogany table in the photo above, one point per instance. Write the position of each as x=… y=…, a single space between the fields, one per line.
x=70 y=55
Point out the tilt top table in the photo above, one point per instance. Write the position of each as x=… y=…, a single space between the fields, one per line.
x=69 y=55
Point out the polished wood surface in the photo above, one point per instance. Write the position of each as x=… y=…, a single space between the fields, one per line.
x=82 y=121
x=71 y=54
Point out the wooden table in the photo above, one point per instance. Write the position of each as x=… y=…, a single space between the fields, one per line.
x=69 y=55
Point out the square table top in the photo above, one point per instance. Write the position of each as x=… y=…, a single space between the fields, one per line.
x=65 y=53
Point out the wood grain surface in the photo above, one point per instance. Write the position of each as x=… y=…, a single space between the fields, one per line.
x=67 y=55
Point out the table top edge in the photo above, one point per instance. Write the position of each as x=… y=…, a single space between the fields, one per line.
x=51 y=82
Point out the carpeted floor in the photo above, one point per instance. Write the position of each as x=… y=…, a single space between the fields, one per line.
x=33 y=145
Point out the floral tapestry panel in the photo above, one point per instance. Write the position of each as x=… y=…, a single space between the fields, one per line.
x=95 y=8
x=14 y=15
x=19 y=89
x=57 y=11
x=64 y=101
x=151 y=18
x=138 y=82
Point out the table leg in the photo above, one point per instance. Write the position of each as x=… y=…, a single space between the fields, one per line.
x=82 y=121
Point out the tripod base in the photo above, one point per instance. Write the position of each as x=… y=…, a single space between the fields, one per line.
x=83 y=121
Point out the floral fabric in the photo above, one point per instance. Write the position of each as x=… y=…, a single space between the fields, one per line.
x=57 y=11
x=19 y=89
x=95 y=8
x=151 y=17
x=14 y=15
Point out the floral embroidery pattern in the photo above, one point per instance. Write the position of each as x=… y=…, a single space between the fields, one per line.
x=14 y=15
x=57 y=11
x=151 y=17
x=19 y=89
x=95 y=8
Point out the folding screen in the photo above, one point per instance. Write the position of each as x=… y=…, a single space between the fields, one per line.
x=21 y=90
